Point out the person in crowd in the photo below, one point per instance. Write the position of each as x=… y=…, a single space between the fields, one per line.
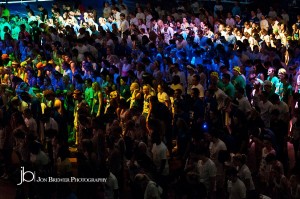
x=236 y=187
x=148 y=187
x=244 y=174
x=237 y=79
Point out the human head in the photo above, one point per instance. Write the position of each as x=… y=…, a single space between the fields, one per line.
x=146 y=89
x=226 y=78
x=236 y=71
x=96 y=86
x=195 y=93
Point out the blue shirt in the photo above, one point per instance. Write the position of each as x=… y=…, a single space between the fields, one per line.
x=49 y=87
x=58 y=84
x=78 y=86
x=32 y=81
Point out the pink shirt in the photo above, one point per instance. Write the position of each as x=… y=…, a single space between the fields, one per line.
x=125 y=69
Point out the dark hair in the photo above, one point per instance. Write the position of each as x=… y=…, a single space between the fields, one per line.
x=274 y=98
x=197 y=77
x=89 y=80
x=231 y=171
x=201 y=150
x=226 y=76
x=155 y=125
x=176 y=79
x=178 y=90
x=242 y=158
x=215 y=133
x=115 y=8
x=240 y=90
x=196 y=91
x=270 y=157
x=153 y=99
x=35 y=147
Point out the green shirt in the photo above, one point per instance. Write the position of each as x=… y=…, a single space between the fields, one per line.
x=220 y=85
x=89 y=95
x=229 y=90
x=274 y=80
x=238 y=81
x=125 y=91
x=284 y=90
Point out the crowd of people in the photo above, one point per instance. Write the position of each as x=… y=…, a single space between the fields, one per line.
x=163 y=102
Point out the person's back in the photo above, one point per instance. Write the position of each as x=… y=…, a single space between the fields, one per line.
x=237 y=189
x=207 y=170
x=111 y=186
x=153 y=191
x=159 y=153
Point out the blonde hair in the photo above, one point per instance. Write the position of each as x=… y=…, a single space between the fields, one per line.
x=135 y=85
x=97 y=86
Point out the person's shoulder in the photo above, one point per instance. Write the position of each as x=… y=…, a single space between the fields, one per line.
x=161 y=146
x=222 y=144
x=112 y=177
x=211 y=164
x=230 y=85
x=241 y=184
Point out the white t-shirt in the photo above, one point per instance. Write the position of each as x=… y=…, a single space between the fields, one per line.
x=148 y=21
x=206 y=171
x=236 y=190
x=152 y=191
x=159 y=153
x=265 y=112
x=144 y=27
x=140 y=15
x=220 y=97
x=134 y=21
x=168 y=34
x=110 y=185
x=215 y=148
x=124 y=25
x=245 y=174
x=244 y=105
x=248 y=30
x=81 y=50
x=117 y=17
